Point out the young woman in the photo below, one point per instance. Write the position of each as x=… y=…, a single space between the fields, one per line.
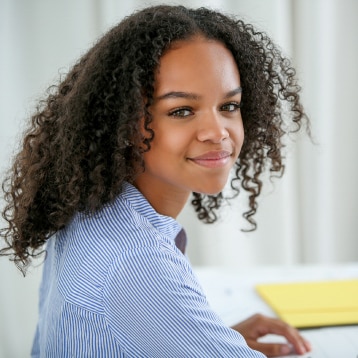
x=167 y=104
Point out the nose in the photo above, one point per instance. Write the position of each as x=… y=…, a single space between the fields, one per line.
x=212 y=128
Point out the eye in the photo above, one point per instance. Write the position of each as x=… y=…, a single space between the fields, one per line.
x=181 y=112
x=230 y=107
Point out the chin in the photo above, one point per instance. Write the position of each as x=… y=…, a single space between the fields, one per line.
x=210 y=190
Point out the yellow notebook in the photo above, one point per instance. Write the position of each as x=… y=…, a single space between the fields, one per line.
x=313 y=304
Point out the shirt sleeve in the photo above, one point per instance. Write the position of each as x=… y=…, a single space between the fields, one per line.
x=155 y=308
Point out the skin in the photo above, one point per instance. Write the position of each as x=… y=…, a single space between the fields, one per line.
x=198 y=136
x=198 y=131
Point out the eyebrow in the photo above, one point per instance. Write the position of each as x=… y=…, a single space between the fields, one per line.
x=193 y=96
x=233 y=92
x=176 y=94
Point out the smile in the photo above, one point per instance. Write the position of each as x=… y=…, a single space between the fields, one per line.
x=215 y=159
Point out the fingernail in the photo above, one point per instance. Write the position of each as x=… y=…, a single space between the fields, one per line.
x=285 y=350
x=301 y=349
x=308 y=345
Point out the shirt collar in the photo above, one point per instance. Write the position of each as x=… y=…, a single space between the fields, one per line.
x=165 y=224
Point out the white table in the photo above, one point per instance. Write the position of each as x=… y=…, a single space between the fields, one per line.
x=232 y=295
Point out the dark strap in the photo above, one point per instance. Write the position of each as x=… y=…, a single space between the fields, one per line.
x=180 y=241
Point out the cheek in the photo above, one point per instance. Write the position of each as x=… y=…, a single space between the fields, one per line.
x=238 y=135
x=172 y=139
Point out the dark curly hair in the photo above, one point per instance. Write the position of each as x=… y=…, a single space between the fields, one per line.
x=84 y=139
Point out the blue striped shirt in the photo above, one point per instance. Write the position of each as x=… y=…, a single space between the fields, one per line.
x=115 y=285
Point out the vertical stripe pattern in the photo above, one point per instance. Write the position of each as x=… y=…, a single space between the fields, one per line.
x=115 y=285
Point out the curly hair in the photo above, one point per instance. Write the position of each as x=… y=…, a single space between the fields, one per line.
x=84 y=139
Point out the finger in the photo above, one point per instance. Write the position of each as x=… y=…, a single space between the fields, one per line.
x=271 y=349
x=307 y=344
x=300 y=345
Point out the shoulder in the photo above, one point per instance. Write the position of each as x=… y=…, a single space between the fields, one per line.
x=95 y=246
x=146 y=276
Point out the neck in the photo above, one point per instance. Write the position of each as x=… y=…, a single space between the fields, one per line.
x=165 y=200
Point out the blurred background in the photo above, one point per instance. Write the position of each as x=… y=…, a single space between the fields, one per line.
x=308 y=216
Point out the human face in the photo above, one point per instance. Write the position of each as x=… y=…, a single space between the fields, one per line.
x=196 y=120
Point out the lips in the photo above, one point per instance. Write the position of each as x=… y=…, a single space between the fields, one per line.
x=213 y=159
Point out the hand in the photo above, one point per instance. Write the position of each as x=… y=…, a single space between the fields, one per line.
x=258 y=326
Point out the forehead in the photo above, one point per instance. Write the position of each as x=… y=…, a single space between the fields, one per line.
x=197 y=62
